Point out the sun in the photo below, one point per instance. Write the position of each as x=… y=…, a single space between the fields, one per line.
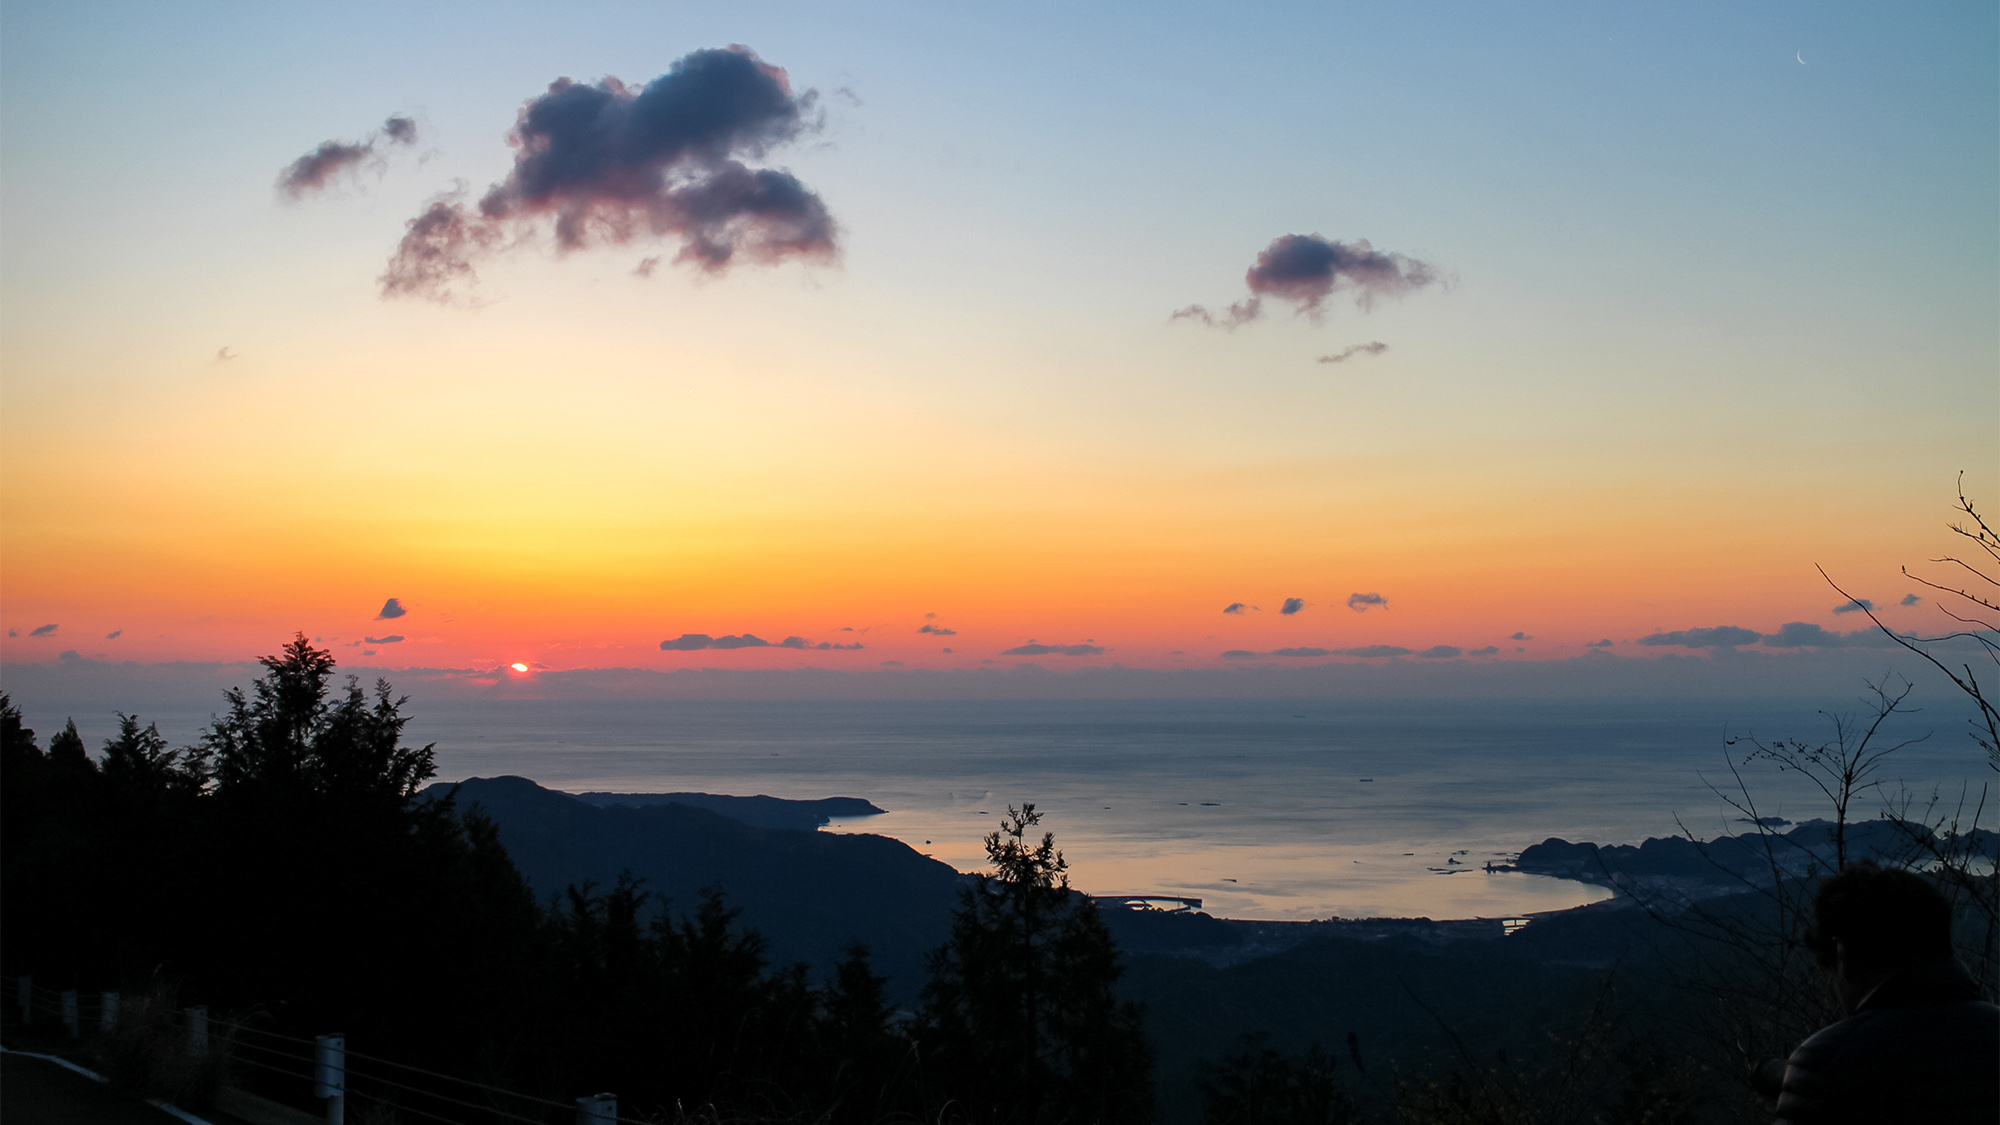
x=518 y=667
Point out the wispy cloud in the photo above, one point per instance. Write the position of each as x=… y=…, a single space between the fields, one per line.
x=1305 y=269
x=938 y=631
x=1858 y=605
x=1292 y=606
x=114 y=634
x=1361 y=603
x=607 y=163
x=1034 y=649
x=1237 y=608
x=42 y=631
x=391 y=639
x=1373 y=347
x=320 y=167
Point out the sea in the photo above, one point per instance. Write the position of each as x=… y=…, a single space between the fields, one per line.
x=1257 y=809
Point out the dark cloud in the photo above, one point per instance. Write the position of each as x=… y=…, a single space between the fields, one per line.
x=1799 y=634
x=1489 y=650
x=1033 y=649
x=114 y=634
x=391 y=609
x=391 y=639
x=938 y=631
x=1374 y=650
x=42 y=631
x=1719 y=636
x=313 y=171
x=1301 y=652
x=1359 y=603
x=1441 y=652
x=1236 y=608
x=13 y=632
x=824 y=646
x=70 y=654
x=1240 y=654
x=1306 y=269
x=1605 y=643
x=696 y=642
x=1291 y=606
x=1521 y=636
x=1909 y=599
x=608 y=163
x=1373 y=347
x=1858 y=605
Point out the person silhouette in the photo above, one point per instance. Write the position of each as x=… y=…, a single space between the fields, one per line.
x=1918 y=1044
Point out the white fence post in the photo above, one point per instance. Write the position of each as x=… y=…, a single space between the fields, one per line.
x=197 y=1030
x=597 y=1109
x=71 y=1019
x=107 y=1011
x=24 y=994
x=330 y=1076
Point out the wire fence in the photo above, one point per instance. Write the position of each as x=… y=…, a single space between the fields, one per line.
x=286 y=1065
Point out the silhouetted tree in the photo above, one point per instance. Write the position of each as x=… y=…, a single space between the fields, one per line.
x=1019 y=1020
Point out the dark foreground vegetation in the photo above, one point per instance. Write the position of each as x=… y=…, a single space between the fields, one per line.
x=291 y=873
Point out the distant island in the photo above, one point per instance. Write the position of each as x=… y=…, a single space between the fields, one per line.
x=758 y=811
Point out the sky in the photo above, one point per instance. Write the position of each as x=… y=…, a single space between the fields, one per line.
x=920 y=336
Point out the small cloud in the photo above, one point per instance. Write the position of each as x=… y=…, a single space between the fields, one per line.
x=823 y=645
x=1034 y=649
x=1305 y=269
x=938 y=631
x=1489 y=650
x=1236 y=608
x=367 y=652
x=687 y=642
x=1605 y=643
x=646 y=266
x=1799 y=634
x=847 y=94
x=320 y=167
x=1305 y=652
x=1240 y=654
x=224 y=355
x=1373 y=347
x=1858 y=605
x=1520 y=637
x=747 y=640
x=1720 y=636
x=391 y=609
x=70 y=654
x=391 y=639
x=1292 y=606
x=13 y=632
x=43 y=631
x=947 y=649
x=792 y=642
x=1909 y=599
x=114 y=634
x=1441 y=652
x=1360 y=603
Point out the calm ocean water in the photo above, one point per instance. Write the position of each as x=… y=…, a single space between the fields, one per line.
x=1261 y=809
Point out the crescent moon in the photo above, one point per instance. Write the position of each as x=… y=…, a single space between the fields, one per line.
x=1801 y=56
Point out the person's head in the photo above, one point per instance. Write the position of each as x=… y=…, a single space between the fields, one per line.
x=1868 y=922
